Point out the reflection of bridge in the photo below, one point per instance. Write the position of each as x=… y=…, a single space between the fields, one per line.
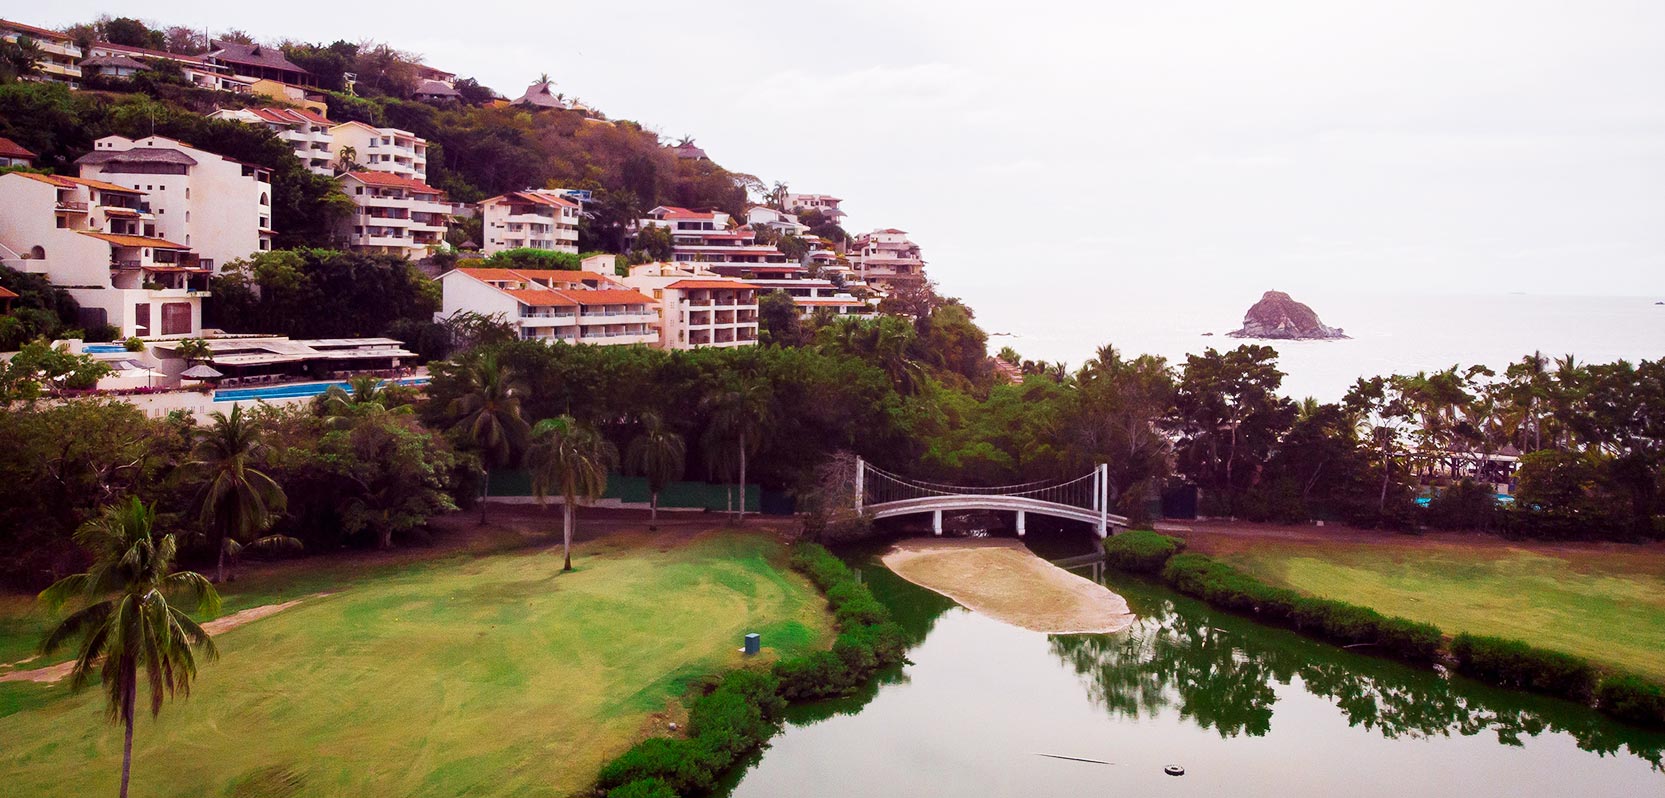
x=1085 y=498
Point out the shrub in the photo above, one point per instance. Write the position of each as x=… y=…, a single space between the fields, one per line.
x=1141 y=550
x=133 y=345
x=1632 y=699
x=1226 y=587
x=644 y=788
x=1511 y=663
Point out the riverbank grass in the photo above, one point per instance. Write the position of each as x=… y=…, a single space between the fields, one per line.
x=489 y=675
x=1606 y=605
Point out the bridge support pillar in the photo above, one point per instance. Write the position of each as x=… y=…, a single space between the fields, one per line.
x=1020 y=529
x=936 y=522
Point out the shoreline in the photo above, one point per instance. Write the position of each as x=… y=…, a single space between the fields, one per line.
x=1005 y=581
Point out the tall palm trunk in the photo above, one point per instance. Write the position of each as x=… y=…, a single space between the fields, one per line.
x=127 y=745
x=653 y=507
x=485 y=493
x=219 y=570
x=566 y=531
x=740 y=518
x=1387 y=465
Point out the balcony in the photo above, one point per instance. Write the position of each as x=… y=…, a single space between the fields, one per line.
x=71 y=205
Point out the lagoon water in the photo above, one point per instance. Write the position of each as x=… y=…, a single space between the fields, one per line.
x=1246 y=710
x=1391 y=333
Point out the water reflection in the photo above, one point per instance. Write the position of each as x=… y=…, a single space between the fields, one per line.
x=1218 y=671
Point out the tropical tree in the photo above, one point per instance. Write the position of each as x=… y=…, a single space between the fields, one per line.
x=740 y=410
x=659 y=454
x=572 y=459
x=487 y=416
x=130 y=620
x=19 y=59
x=363 y=393
x=237 y=499
x=346 y=160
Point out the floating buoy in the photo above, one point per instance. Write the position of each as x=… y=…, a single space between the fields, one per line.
x=1174 y=770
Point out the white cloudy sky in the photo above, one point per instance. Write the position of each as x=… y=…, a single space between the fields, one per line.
x=1427 y=145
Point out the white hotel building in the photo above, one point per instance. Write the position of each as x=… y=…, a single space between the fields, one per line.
x=307 y=131
x=703 y=238
x=397 y=215
x=553 y=305
x=98 y=241
x=383 y=149
x=220 y=208
x=533 y=219
x=697 y=308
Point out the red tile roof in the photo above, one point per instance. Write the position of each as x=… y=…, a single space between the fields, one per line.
x=610 y=296
x=674 y=212
x=133 y=241
x=66 y=182
x=541 y=297
x=289 y=116
x=42 y=32
x=11 y=149
x=528 y=196
x=7 y=293
x=386 y=180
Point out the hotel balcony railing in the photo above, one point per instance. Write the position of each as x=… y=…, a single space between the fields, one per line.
x=125 y=264
x=544 y=314
x=71 y=205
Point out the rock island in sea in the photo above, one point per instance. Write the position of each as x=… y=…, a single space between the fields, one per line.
x=1279 y=317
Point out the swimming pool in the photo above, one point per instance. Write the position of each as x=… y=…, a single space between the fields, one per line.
x=295 y=391
x=1501 y=498
x=102 y=349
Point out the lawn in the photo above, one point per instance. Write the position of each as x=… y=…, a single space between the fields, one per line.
x=1605 y=603
x=479 y=675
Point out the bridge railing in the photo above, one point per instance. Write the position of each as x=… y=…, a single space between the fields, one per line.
x=878 y=486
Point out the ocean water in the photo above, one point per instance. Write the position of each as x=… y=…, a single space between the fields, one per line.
x=1391 y=333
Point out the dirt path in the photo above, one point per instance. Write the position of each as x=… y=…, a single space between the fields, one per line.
x=218 y=626
x=1003 y=580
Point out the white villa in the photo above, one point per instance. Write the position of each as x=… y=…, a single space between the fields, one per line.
x=220 y=208
x=553 y=305
x=705 y=238
x=383 y=149
x=60 y=55
x=535 y=219
x=397 y=215
x=98 y=241
x=697 y=307
x=762 y=216
x=887 y=258
x=825 y=203
x=307 y=131
x=196 y=70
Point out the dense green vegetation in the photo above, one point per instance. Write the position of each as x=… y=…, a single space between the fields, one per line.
x=744 y=709
x=1499 y=661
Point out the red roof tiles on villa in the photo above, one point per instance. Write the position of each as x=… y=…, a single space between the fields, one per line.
x=133 y=241
x=683 y=285
x=386 y=180
x=41 y=32
x=611 y=296
x=541 y=297
x=11 y=149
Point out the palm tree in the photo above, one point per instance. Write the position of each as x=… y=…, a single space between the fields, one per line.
x=346 y=160
x=739 y=411
x=659 y=454
x=238 y=499
x=20 y=59
x=488 y=417
x=573 y=459
x=362 y=394
x=128 y=621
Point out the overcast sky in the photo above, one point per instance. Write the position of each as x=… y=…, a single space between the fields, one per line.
x=1325 y=145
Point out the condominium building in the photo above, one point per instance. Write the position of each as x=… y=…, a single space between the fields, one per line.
x=98 y=241
x=257 y=61
x=759 y=216
x=60 y=56
x=825 y=203
x=810 y=295
x=705 y=238
x=383 y=149
x=196 y=70
x=218 y=207
x=14 y=154
x=551 y=305
x=887 y=258
x=396 y=214
x=697 y=307
x=534 y=219
x=307 y=132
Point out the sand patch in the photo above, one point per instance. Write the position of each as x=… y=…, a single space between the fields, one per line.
x=54 y=673
x=1003 y=580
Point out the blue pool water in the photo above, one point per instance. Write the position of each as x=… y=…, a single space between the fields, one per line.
x=292 y=391
x=1502 y=498
x=102 y=349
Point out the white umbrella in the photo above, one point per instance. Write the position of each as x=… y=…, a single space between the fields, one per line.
x=201 y=371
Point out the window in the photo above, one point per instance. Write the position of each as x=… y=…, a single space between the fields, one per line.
x=62 y=222
x=176 y=318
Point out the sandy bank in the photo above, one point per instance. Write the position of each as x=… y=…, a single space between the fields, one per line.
x=1005 y=581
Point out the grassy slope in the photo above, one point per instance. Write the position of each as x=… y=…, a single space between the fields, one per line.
x=1607 y=605
x=484 y=676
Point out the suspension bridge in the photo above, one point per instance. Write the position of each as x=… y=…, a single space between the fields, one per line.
x=1086 y=498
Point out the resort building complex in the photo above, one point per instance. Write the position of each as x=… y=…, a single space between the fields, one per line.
x=535 y=219
x=887 y=258
x=218 y=207
x=553 y=305
x=60 y=56
x=396 y=214
x=307 y=131
x=381 y=149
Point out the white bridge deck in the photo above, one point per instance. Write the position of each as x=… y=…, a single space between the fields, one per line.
x=882 y=494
